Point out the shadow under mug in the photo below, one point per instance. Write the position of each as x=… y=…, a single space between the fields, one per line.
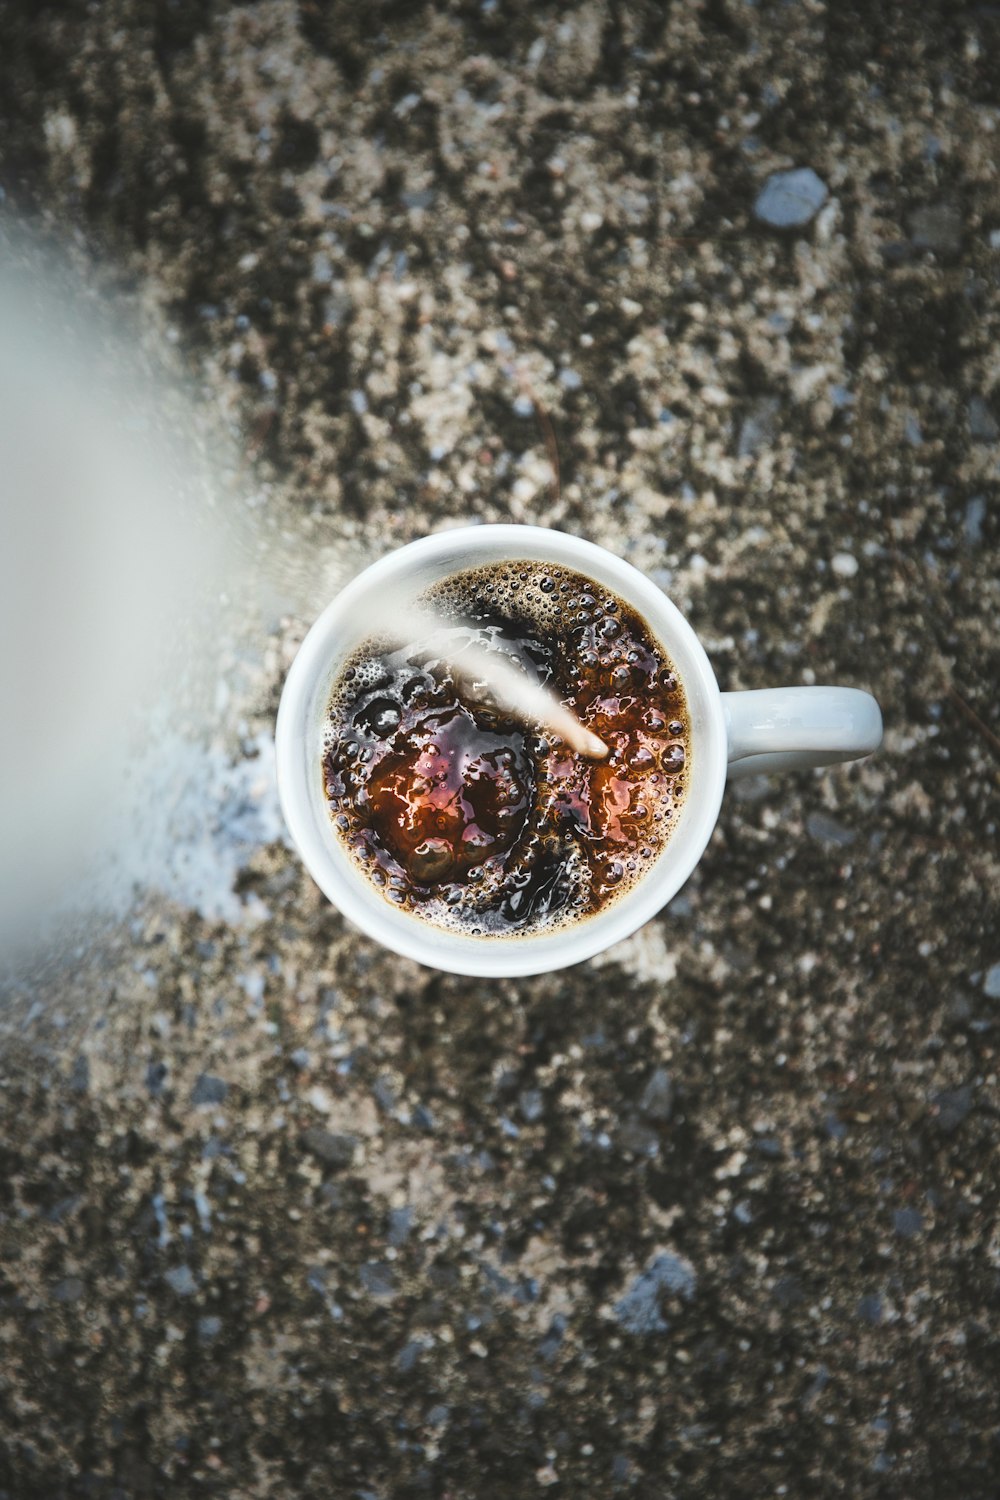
x=732 y=734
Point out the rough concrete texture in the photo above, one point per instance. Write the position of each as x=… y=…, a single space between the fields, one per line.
x=715 y=1215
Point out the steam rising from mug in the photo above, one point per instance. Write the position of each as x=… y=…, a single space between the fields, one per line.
x=138 y=588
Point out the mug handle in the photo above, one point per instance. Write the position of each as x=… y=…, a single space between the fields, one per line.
x=788 y=729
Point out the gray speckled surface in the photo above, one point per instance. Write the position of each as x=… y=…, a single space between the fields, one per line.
x=718 y=1213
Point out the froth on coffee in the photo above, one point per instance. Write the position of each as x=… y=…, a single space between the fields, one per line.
x=480 y=823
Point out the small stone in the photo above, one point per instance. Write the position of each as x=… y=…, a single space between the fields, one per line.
x=788 y=200
x=937 y=226
x=209 y=1328
x=400 y=1226
x=983 y=425
x=79 y=1079
x=377 y=1279
x=531 y=1104
x=385 y=1093
x=816 y=1387
x=897 y=252
x=975 y=515
x=827 y=831
x=181 y=1280
x=951 y=1106
x=747 y=789
x=553 y=1340
x=156 y=1077
x=71 y=1289
x=991 y=984
x=422 y=199
x=758 y=427
x=869 y=1308
x=638 y=1310
x=317 y=1279
x=337 y=308
x=332 y=1148
x=63 y=1208
x=638 y=1138
x=322 y=268
x=788 y=1292
x=907 y=1222
x=408 y=1356
x=844 y=564
x=209 y=1090
x=912 y=430
x=657 y=1101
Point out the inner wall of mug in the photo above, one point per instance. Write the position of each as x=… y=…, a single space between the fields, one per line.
x=324 y=653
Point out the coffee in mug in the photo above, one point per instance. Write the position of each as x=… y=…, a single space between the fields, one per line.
x=475 y=820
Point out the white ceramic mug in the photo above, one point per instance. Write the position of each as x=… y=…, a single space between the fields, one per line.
x=731 y=734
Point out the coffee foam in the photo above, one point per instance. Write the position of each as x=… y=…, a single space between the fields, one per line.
x=515 y=593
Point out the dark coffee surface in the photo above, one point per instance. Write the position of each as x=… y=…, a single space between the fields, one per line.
x=478 y=821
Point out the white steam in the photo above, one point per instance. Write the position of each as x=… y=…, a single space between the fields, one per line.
x=139 y=588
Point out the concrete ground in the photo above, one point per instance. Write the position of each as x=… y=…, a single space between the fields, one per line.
x=716 y=1214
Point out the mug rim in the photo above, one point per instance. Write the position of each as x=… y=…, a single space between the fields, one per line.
x=298 y=740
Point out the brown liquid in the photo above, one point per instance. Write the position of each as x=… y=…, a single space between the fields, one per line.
x=476 y=821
